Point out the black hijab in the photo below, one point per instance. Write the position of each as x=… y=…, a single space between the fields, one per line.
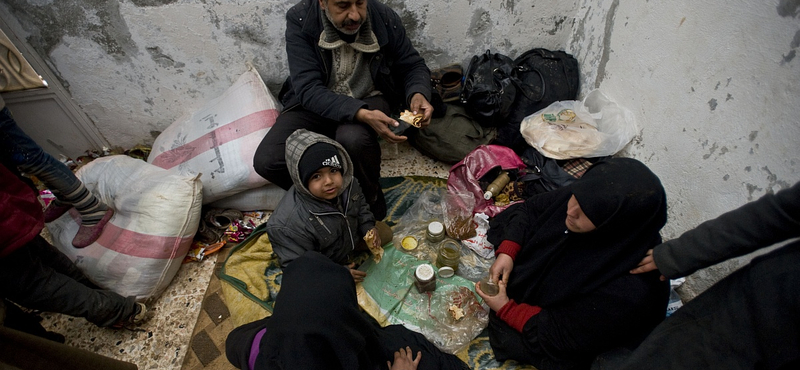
x=627 y=204
x=317 y=324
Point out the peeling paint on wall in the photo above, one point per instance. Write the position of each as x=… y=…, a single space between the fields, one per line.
x=788 y=8
x=601 y=68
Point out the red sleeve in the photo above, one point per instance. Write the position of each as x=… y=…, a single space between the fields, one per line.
x=510 y=248
x=516 y=315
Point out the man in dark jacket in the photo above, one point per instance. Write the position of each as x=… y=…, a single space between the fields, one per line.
x=751 y=318
x=351 y=65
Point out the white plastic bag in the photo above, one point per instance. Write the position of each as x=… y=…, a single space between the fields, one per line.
x=594 y=127
x=478 y=243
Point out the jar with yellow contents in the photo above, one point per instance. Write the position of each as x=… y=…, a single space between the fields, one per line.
x=449 y=254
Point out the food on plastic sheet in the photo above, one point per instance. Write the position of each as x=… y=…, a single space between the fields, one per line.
x=411 y=118
x=456 y=312
x=377 y=251
x=458 y=215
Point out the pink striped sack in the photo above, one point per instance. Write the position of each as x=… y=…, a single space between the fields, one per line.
x=218 y=141
x=143 y=245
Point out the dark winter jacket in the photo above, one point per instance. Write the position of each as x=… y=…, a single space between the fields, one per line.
x=302 y=222
x=398 y=71
x=771 y=219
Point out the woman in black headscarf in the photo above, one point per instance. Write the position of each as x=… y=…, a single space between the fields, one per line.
x=563 y=262
x=317 y=324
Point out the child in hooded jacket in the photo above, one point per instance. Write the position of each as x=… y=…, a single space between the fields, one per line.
x=325 y=209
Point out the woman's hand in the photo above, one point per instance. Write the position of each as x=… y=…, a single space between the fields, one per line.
x=647 y=264
x=403 y=360
x=494 y=302
x=501 y=268
x=358 y=276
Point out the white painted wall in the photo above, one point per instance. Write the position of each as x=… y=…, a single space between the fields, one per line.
x=713 y=83
x=715 y=86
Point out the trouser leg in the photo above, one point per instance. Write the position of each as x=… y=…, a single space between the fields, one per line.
x=359 y=140
x=748 y=320
x=38 y=276
x=22 y=151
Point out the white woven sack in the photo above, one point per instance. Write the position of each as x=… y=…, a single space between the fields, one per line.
x=218 y=141
x=143 y=245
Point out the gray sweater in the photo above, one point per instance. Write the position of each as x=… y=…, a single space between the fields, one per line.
x=771 y=219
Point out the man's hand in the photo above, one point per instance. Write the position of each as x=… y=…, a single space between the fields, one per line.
x=501 y=268
x=494 y=302
x=380 y=123
x=358 y=276
x=403 y=360
x=647 y=264
x=420 y=105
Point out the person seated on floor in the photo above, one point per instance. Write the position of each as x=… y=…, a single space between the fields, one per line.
x=317 y=324
x=751 y=318
x=563 y=262
x=21 y=151
x=324 y=210
x=38 y=276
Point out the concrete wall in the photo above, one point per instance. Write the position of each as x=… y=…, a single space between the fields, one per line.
x=715 y=86
x=713 y=83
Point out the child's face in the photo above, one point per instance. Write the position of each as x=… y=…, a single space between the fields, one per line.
x=325 y=183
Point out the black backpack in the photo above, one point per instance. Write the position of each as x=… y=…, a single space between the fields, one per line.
x=489 y=92
x=542 y=77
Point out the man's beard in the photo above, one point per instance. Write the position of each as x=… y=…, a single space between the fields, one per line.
x=347 y=22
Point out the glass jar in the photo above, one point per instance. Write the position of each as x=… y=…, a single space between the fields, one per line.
x=449 y=254
x=435 y=232
x=489 y=287
x=424 y=278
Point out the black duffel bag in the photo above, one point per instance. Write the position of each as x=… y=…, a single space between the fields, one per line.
x=489 y=92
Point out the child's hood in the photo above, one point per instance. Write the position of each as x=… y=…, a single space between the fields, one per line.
x=298 y=142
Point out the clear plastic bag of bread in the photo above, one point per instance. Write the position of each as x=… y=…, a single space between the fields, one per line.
x=458 y=215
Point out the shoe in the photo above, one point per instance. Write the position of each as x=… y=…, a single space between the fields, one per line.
x=222 y=218
x=88 y=234
x=208 y=234
x=447 y=81
x=138 y=317
x=55 y=210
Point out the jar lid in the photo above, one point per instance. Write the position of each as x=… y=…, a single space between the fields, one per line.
x=446 y=272
x=409 y=243
x=424 y=272
x=435 y=228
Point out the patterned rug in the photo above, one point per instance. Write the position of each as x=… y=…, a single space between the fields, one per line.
x=251 y=275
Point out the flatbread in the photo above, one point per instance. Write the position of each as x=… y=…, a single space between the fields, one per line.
x=411 y=118
x=377 y=252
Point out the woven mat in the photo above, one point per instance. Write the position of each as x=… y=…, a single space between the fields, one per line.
x=251 y=275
